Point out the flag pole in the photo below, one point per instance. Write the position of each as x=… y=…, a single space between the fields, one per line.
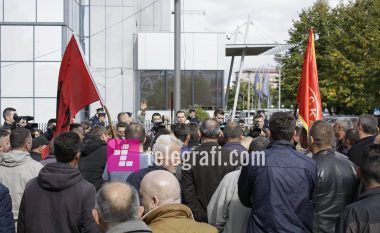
x=96 y=88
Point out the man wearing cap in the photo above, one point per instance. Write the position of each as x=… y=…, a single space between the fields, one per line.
x=99 y=118
x=38 y=144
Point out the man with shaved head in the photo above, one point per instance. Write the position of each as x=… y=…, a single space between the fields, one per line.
x=161 y=197
x=117 y=209
x=336 y=178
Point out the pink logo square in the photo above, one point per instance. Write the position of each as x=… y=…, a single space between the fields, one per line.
x=123 y=155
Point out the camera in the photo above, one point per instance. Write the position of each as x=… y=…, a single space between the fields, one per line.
x=255 y=130
x=29 y=126
x=18 y=118
x=157 y=126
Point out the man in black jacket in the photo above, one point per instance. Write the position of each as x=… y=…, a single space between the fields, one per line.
x=94 y=156
x=59 y=199
x=336 y=178
x=364 y=215
x=200 y=179
x=367 y=130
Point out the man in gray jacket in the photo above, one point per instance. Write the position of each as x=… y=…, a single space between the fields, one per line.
x=17 y=167
x=225 y=210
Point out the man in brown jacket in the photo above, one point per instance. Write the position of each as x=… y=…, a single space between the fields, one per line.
x=161 y=197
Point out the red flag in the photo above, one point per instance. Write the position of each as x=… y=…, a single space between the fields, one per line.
x=76 y=88
x=308 y=96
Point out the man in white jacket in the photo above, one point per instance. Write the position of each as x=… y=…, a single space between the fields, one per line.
x=17 y=167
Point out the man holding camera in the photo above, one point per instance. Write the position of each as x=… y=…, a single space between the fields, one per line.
x=12 y=120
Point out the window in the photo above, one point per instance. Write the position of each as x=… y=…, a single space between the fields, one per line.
x=186 y=88
x=19 y=10
x=152 y=86
x=15 y=47
x=48 y=44
x=17 y=79
x=50 y=10
x=203 y=88
x=46 y=79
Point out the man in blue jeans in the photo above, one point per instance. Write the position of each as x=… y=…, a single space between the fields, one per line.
x=279 y=191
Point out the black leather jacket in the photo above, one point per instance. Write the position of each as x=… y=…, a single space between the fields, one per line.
x=337 y=185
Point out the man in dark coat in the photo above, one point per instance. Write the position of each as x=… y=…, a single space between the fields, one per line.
x=364 y=214
x=337 y=182
x=6 y=216
x=59 y=199
x=94 y=156
x=367 y=130
x=280 y=190
x=199 y=181
x=99 y=118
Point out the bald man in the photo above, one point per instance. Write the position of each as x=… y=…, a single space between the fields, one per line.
x=161 y=197
x=117 y=209
x=336 y=178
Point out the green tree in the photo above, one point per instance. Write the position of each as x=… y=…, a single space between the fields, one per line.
x=347 y=51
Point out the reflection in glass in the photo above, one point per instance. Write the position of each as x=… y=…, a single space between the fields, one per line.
x=205 y=88
x=152 y=86
x=157 y=86
x=186 y=84
x=19 y=10
x=17 y=79
x=15 y=47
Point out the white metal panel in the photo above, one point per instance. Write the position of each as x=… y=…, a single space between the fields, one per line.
x=199 y=51
x=205 y=51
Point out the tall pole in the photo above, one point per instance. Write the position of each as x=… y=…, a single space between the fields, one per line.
x=177 y=55
x=249 y=92
x=279 y=88
x=240 y=69
x=236 y=32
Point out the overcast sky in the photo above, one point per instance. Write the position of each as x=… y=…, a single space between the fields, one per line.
x=271 y=20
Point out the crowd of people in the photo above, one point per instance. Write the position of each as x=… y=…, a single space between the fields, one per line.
x=195 y=175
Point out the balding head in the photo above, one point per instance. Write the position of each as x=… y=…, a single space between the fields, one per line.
x=233 y=131
x=116 y=203
x=159 y=188
x=321 y=136
x=210 y=129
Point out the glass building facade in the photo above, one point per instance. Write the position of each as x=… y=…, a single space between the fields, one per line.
x=33 y=36
x=204 y=88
